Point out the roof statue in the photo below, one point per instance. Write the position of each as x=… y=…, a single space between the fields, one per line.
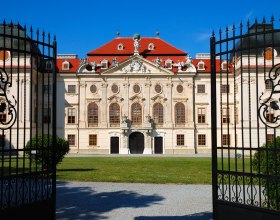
x=136 y=38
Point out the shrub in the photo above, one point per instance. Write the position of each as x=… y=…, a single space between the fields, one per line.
x=40 y=150
x=267 y=161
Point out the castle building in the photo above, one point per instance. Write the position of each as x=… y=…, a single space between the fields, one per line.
x=141 y=95
x=137 y=95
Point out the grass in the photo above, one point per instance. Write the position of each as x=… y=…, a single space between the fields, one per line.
x=178 y=170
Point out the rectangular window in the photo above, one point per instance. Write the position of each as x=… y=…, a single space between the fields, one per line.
x=180 y=139
x=200 y=88
x=47 y=89
x=270 y=138
x=2 y=141
x=47 y=115
x=268 y=84
x=92 y=139
x=3 y=116
x=201 y=115
x=202 y=139
x=71 y=89
x=236 y=115
x=226 y=140
x=269 y=117
x=71 y=139
x=71 y=115
x=226 y=118
x=224 y=88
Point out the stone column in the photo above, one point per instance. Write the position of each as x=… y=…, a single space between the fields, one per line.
x=104 y=106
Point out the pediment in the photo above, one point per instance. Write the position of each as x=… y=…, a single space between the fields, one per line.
x=137 y=65
x=158 y=97
x=115 y=97
x=136 y=97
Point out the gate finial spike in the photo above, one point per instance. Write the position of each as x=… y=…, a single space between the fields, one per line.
x=264 y=21
x=256 y=21
x=213 y=33
x=272 y=19
x=4 y=22
x=233 y=27
x=241 y=25
x=248 y=23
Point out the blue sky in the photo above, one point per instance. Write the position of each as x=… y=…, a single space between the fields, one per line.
x=81 y=26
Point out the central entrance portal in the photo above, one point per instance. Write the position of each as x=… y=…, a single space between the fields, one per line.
x=136 y=143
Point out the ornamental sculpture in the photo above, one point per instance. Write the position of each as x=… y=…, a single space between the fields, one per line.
x=136 y=39
x=7 y=104
x=269 y=111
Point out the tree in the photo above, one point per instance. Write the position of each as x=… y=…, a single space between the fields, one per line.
x=267 y=161
x=40 y=149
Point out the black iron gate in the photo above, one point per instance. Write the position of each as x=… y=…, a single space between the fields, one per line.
x=27 y=111
x=245 y=91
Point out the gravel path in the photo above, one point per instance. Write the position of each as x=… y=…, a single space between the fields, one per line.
x=125 y=201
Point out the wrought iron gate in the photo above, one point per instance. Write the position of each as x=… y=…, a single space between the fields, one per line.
x=27 y=111
x=245 y=92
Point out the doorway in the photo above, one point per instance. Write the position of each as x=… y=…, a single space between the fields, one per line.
x=136 y=143
x=115 y=145
x=158 y=145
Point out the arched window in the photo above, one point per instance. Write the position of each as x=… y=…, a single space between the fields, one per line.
x=136 y=114
x=92 y=115
x=158 y=113
x=114 y=115
x=180 y=114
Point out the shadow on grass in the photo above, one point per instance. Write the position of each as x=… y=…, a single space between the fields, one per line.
x=85 y=203
x=196 y=216
x=74 y=170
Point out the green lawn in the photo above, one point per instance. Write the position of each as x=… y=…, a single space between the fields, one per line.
x=179 y=170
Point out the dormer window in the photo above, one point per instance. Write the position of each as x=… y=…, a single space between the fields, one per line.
x=224 y=65
x=65 y=65
x=269 y=53
x=200 y=65
x=151 y=46
x=120 y=46
x=104 y=64
x=48 y=65
x=168 y=64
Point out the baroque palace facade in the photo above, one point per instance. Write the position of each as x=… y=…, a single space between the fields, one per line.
x=142 y=95
x=137 y=95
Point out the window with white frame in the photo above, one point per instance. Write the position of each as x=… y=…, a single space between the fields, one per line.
x=180 y=140
x=71 y=116
x=180 y=114
x=200 y=88
x=71 y=89
x=201 y=115
x=168 y=64
x=71 y=139
x=92 y=140
x=224 y=65
x=151 y=46
x=65 y=65
x=226 y=140
x=47 y=115
x=104 y=64
x=201 y=139
x=225 y=115
x=200 y=65
x=120 y=46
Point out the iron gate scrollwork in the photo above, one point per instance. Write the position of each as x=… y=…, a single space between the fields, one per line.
x=245 y=112
x=27 y=98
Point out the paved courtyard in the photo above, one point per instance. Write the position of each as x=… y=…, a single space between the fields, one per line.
x=125 y=201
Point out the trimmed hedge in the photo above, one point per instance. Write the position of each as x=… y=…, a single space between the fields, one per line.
x=267 y=161
x=40 y=150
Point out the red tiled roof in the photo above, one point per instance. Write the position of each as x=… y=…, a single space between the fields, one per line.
x=160 y=47
x=74 y=65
